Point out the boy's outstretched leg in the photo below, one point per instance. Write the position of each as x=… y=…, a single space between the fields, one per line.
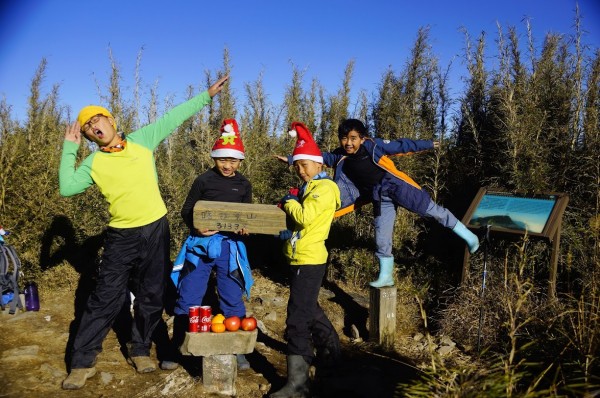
x=386 y=272
x=449 y=220
x=468 y=236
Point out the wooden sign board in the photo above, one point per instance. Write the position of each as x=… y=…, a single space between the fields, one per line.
x=514 y=212
x=227 y=216
x=519 y=213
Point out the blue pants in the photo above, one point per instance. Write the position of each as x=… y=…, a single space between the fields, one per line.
x=192 y=287
x=386 y=216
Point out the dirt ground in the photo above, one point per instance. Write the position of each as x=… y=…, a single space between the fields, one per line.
x=33 y=344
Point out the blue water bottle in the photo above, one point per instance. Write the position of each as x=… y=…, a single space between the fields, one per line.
x=32 y=299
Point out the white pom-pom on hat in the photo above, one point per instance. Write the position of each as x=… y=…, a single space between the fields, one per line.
x=293 y=133
x=229 y=128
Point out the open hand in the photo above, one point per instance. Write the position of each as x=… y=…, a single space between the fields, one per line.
x=73 y=133
x=283 y=159
x=217 y=87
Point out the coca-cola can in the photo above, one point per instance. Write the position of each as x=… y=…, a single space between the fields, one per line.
x=194 y=319
x=205 y=317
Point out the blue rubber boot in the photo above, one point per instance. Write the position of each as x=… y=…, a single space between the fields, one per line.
x=468 y=236
x=386 y=277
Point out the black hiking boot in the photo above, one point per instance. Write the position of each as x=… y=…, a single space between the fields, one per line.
x=297 y=381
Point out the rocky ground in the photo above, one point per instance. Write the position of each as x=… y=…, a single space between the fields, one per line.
x=32 y=359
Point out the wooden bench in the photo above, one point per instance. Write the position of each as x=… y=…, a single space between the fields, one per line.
x=218 y=350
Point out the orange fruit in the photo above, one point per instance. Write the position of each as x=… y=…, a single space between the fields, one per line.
x=219 y=318
x=217 y=327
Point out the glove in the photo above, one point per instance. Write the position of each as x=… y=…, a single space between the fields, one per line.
x=292 y=194
x=285 y=234
x=287 y=198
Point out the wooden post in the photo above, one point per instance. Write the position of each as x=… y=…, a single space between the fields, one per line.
x=465 y=269
x=554 y=263
x=382 y=316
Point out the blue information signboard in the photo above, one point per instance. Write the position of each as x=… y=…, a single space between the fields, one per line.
x=519 y=213
x=534 y=214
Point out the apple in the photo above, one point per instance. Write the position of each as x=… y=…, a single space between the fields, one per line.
x=249 y=323
x=232 y=323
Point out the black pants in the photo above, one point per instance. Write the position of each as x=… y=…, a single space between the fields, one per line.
x=134 y=258
x=307 y=325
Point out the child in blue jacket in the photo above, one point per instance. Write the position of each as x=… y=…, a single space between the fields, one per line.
x=364 y=170
x=365 y=173
x=206 y=250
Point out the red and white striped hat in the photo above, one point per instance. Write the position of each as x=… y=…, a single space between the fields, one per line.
x=229 y=144
x=306 y=147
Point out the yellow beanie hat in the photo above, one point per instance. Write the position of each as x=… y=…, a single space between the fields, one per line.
x=90 y=111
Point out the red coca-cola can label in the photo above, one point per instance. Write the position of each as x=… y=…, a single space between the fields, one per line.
x=194 y=319
x=205 y=318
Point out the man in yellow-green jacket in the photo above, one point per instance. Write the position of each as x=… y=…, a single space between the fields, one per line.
x=136 y=247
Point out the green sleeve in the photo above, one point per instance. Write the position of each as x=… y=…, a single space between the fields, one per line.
x=71 y=181
x=153 y=134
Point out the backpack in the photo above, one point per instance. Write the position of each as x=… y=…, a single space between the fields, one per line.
x=10 y=269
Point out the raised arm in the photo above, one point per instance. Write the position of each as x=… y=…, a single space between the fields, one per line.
x=404 y=146
x=153 y=134
x=283 y=159
x=71 y=181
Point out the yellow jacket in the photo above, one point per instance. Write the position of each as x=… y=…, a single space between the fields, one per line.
x=312 y=217
x=127 y=179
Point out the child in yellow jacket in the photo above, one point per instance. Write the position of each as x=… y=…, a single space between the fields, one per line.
x=311 y=213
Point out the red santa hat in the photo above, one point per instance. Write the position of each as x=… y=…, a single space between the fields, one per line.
x=229 y=144
x=306 y=147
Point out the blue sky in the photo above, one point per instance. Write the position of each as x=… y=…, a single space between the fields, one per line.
x=182 y=39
